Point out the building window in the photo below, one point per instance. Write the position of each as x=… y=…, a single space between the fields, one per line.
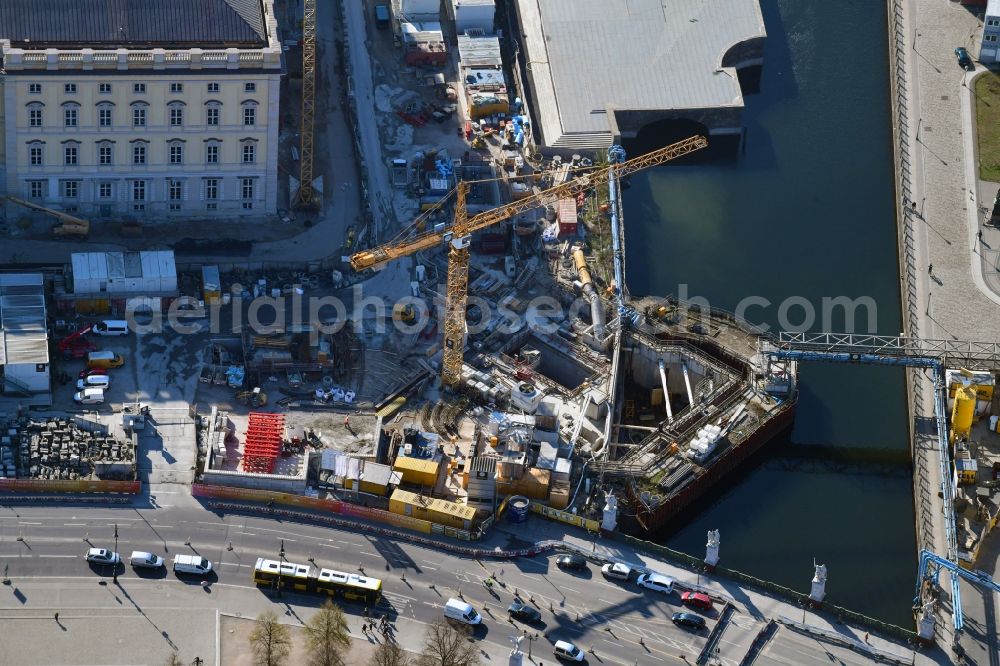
x=212 y=189
x=175 y=192
x=990 y=38
x=138 y=116
x=69 y=88
x=35 y=115
x=213 y=87
x=176 y=153
x=139 y=88
x=71 y=114
x=138 y=153
x=35 y=88
x=70 y=188
x=176 y=87
x=138 y=190
x=249 y=115
x=36 y=189
x=249 y=152
x=246 y=187
x=104 y=115
x=176 y=116
x=212 y=153
x=104 y=190
x=104 y=154
x=249 y=87
x=212 y=114
x=35 y=154
x=105 y=88
x=993 y=21
x=70 y=155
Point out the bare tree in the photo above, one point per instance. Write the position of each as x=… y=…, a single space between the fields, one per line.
x=270 y=641
x=389 y=654
x=174 y=659
x=327 y=636
x=446 y=646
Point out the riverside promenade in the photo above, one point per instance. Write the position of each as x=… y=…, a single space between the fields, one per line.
x=949 y=283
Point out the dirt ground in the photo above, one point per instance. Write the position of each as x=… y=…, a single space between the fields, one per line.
x=234 y=635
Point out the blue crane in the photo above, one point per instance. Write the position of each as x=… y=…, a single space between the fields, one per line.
x=931 y=565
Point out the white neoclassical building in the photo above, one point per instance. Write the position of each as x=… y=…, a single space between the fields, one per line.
x=119 y=108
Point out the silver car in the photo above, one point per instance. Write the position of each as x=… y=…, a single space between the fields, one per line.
x=142 y=560
x=102 y=556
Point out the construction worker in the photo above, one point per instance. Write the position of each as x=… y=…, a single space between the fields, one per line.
x=347 y=422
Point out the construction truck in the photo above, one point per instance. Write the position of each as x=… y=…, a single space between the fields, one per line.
x=70 y=226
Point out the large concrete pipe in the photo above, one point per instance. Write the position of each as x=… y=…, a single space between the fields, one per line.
x=596 y=308
x=666 y=393
x=687 y=382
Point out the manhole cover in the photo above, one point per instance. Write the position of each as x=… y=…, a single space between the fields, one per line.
x=928 y=128
x=945 y=97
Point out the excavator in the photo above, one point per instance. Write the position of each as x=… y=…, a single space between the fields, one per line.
x=458 y=236
x=70 y=226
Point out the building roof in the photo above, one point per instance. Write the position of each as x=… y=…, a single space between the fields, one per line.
x=479 y=51
x=23 y=336
x=462 y=511
x=591 y=55
x=133 y=23
x=379 y=475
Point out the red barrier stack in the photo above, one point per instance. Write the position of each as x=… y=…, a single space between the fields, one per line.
x=265 y=433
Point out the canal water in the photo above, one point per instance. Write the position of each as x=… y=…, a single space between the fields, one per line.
x=806 y=212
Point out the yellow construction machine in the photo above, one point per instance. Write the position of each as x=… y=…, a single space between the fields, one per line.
x=70 y=226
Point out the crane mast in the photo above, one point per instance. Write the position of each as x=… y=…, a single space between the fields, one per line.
x=458 y=236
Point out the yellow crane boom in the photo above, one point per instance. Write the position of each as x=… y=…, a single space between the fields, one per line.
x=457 y=235
x=71 y=226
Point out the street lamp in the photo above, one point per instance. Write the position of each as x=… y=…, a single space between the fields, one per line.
x=281 y=561
x=113 y=563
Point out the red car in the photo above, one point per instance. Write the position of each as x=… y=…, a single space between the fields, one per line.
x=87 y=372
x=697 y=600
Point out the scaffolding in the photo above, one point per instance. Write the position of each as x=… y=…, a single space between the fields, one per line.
x=265 y=434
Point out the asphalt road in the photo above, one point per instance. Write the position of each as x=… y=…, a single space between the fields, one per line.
x=607 y=616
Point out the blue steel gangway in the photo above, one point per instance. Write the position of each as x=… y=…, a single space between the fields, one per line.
x=906 y=352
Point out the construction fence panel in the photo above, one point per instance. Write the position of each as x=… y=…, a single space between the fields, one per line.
x=566 y=517
x=312 y=503
x=77 y=486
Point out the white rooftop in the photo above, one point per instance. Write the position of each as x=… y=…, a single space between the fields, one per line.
x=23 y=334
x=591 y=55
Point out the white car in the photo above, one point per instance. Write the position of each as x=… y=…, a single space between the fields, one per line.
x=102 y=556
x=655 y=581
x=616 y=570
x=140 y=559
x=567 y=651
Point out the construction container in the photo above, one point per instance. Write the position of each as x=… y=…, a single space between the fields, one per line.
x=439 y=511
x=980 y=380
x=418 y=471
x=567 y=216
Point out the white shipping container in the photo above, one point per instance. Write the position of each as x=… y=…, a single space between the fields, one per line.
x=168 y=271
x=421 y=7
x=473 y=15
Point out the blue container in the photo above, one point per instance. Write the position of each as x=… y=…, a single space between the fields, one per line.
x=517 y=509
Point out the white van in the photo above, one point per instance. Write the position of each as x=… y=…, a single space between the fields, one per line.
x=192 y=564
x=89 y=396
x=460 y=611
x=110 y=327
x=94 y=381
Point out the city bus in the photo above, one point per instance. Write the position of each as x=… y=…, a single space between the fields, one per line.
x=302 y=578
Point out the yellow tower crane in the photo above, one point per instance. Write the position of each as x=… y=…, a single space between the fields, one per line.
x=305 y=197
x=458 y=236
